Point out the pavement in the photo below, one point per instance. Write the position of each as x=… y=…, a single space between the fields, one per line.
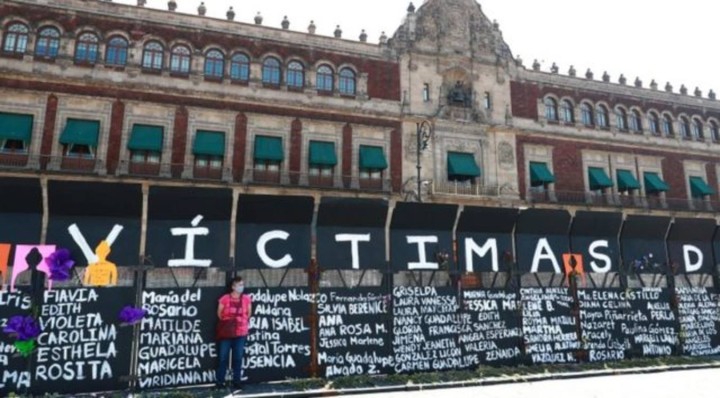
x=675 y=384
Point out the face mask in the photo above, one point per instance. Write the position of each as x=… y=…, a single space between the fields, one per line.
x=239 y=289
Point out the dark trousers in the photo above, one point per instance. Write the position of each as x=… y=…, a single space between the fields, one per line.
x=237 y=345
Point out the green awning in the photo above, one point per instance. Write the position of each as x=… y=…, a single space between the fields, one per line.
x=81 y=132
x=210 y=143
x=627 y=181
x=15 y=126
x=146 y=138
x=269 y=148
x=598 y=179
x=699 y=188
x=540 y=174
x=462 y=164
x=653 y=183
x=372 y=157
x=322 y=153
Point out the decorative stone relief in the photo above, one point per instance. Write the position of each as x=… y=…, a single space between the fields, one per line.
x=506 y=155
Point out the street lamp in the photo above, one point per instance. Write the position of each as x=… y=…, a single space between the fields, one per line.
x=423 y=133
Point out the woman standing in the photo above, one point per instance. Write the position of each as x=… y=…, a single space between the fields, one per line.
x=233 y=312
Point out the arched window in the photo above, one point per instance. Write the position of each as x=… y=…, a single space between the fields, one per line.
x=347 y=82
x=116 y=51
x=48 y=43
x=214 y=64
x=714 y=131
x=586 y=113
x=325 y=78
x=271 y=71
x=295 y=75
x=601 y=116
x=568 y=112
x=654 y=123
x=667 y=126
x=240 y=67
x=153 y=56
x=635 y=122
x=685 y=128
x=551 y=110
x=86 y=48
x=698 y=130
x=180 y=60
x=16 y=38
x=621 y=119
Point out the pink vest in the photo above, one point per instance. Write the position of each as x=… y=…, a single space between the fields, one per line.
x=238 y=309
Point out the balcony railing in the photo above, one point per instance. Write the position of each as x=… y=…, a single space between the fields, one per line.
x=621 y=201
x=264 y=177
x=463 y=189
x=13 y=160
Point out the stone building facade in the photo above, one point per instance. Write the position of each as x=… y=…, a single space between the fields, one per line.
x=99 y=91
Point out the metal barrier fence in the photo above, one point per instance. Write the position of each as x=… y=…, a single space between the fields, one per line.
x=312 y=323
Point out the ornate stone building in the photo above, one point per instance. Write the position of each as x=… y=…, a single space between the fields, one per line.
x=99 y=91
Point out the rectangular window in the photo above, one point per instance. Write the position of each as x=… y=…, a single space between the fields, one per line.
x=80 y=138
x=488 y=100
x=79 y=151
x=15 y=132
x=462 y=167
x=426 y=92
x=13 y=146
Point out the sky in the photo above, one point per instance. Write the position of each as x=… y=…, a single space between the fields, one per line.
x=665 y=40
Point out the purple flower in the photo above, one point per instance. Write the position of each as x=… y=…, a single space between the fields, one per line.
x=131 y=315
x=59 y=263
x=24 y=328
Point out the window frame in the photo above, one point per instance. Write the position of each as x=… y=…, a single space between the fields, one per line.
x=214 y=67
x=295 y=75
x=697 y=128
x=271 y=72
x=7 y=148
x=587 y=114
x=567 y=112
x=602 y=116
x=49 y=43
x=79 y=151
x=322 y=78
x=87 y=48
x=152 y=55
x=654 y=124
x=666 y=127
x=551 y=109
x=347 y=82
x=240 y=69
x=147 y=156
x=714 y=131
x=212 y=162
x=117 y=55
x=635 y=121
x=265 y=165
x=685 y=128
x=180 y=60
x=621 y=119
x=19 y=37
x=370 y=174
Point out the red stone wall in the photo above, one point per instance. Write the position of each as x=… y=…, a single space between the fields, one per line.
x=347 y=154
x=48 y=137
x=383 y=76
x=239 y=150
x=115 y=136
x=180 y=137
x=569 y=173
